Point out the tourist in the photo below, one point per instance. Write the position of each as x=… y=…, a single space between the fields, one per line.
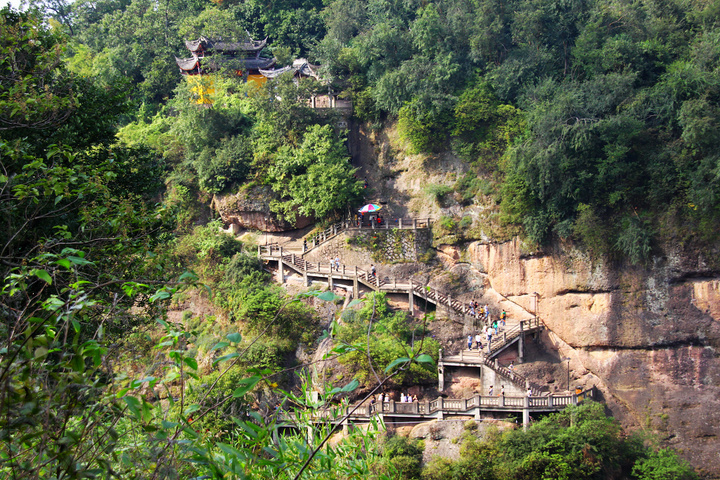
x=490 y=392
x=487 y=312
x=472 y=309
x=495 y=326
x=337 y=263
x=373 y=272
x=470 y=342
x=502 y=390
x=529 y=392
x=478 y=341
x=414 y=398
x=511 y=366
x=503 y=315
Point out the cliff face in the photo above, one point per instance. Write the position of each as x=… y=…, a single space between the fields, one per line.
x=647 y=338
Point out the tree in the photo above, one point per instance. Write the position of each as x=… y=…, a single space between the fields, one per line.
x=35 y=92
x=314 y=179
x=663 y=464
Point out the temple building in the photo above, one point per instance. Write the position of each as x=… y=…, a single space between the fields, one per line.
x=241 y=58
x=300 y=68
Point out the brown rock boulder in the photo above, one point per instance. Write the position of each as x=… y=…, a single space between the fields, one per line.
x=250 y=209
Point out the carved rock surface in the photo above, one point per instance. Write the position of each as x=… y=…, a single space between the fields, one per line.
x=647 y=337
x=250 y=209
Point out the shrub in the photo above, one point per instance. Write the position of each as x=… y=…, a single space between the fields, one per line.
x=425 y=131
x=438 y=192
x=591 y=230
x=663 y=464
x=405 y=455
x=633 y=240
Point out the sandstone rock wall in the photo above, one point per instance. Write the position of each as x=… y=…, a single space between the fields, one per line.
x=646 y=337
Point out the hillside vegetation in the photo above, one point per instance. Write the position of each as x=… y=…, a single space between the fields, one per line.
x=598 y=120
x=594 y=121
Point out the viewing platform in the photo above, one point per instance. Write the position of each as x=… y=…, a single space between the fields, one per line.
x=477 y=407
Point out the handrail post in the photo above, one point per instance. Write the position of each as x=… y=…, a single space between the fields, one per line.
x=400 y=223
x=259 y=254
x=414 y=223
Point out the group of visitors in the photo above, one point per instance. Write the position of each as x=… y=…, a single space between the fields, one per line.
x=385 y=397
x=378 y=220
x=487 y=332
x=491 y=391
x=407 y=398
x=476 y=310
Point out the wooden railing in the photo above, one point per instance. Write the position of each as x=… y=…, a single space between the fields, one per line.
x=316 y=239
x=507 y=336
x=517 y=379
x=330 y=269
x=456 y=405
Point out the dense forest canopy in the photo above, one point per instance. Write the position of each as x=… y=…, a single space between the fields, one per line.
x=596 y=121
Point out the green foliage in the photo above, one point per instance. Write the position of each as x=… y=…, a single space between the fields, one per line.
x=425 y=130
x=35 y=92
x=579 y=442
x=483 y=127
x=471 y=185
x=208 y=251
x=405 y=455
x=663 y=464
x=590 y=229
x=394 y=340
x=634 y=239
x=438 y=192
x=314 y=179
